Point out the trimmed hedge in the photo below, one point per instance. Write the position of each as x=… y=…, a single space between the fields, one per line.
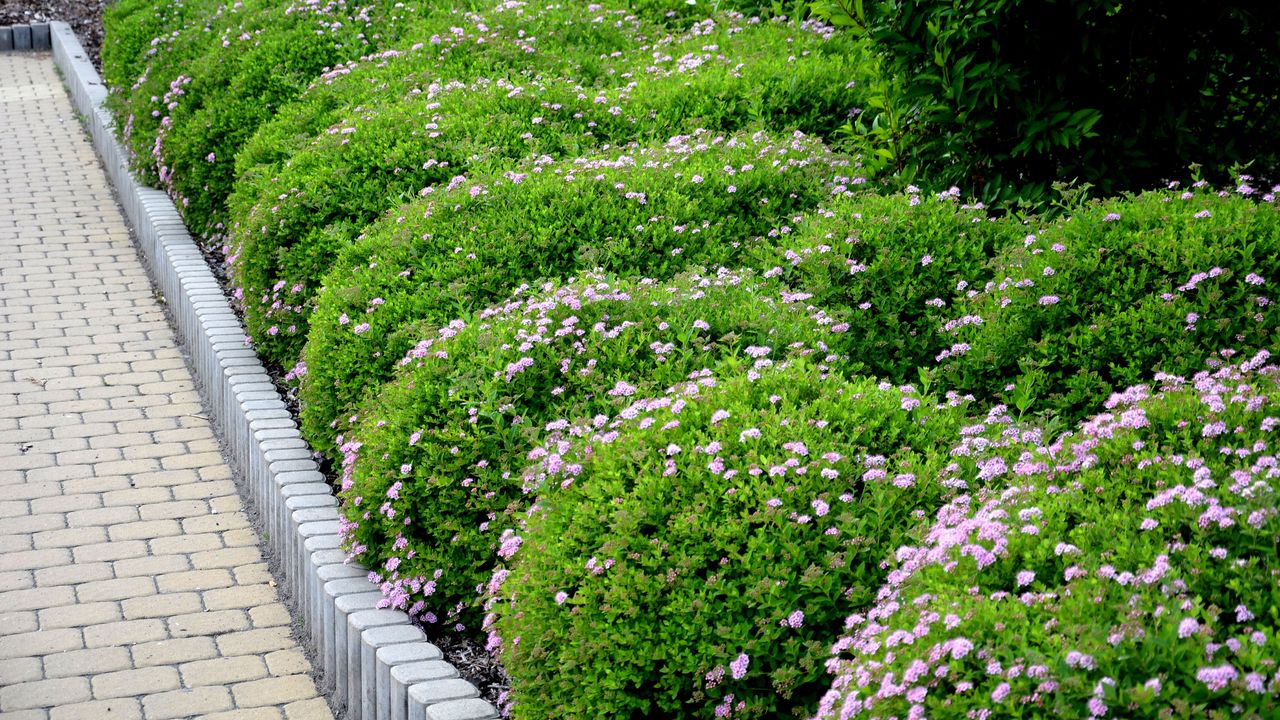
x=449 y=437
x=696 y=559
x=585 y=43
x=1128 y=570
x=1124 y=288
x=645 y=211
x=213 y=75
x=289 y=223
x=887 y=269
x=224 y=70
x=667 y=494
x=1051 y=316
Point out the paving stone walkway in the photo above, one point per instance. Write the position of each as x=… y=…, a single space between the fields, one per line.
x=131 y=583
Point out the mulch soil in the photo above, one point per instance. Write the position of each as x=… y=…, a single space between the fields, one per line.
x=84 y=16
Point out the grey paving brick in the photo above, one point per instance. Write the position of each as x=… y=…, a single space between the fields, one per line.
x=132 y=585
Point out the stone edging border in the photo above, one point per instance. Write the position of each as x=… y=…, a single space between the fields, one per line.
x=35 y=37
x=375 y=662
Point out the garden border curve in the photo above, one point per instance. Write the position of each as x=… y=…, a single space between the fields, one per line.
x=375 y=662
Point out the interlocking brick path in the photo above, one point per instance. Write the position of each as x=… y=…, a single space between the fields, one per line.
x=131 y=583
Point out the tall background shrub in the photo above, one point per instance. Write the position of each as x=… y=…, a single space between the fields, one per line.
x=1005 y=97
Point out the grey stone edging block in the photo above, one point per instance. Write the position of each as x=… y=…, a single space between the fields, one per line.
x=40 y=37
x=21 y=37
x=361 y=648
x=409 y=674
x=360 y=683
x=472 y=709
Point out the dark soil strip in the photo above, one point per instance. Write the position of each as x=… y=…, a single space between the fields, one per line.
x=84 y=16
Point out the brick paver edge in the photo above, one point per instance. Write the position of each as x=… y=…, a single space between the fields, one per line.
x=356 y=645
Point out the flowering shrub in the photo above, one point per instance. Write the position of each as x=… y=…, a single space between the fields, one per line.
x=224 y=68
x=448 y=439
x=645 y=211
x=695 y=557
x=1088 y=306
x=315 y=207
x=135 y=27
x=888 y=268
x=1127 y=570
x=288 y=227
x=585 y=42
x=667 y=497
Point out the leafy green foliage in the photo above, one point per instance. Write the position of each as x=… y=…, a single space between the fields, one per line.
x=669 y=492
x=887 y=268
x=1090 y=305
x=719 y=536
x=1005 y=98
x=290 y=223
x=643 y=211
x=1128 y=570
x=450 y=436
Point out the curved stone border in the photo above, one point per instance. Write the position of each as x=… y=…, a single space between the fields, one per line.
x=375 y=662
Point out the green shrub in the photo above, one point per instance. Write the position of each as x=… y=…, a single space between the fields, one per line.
x=1005 y=98
x=224 y=70
x=445 y=443
x=314 y=208
x=527 y=44
x=700 y=558
x=146 y=50
x=647 y=211
x=135 y=29
x=1129 y=570
x=1124 y=288
x=290 y=223
x=239 y=83
x=887 y=269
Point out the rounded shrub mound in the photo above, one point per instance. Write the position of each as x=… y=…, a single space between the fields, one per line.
x=696 y=558
x=643 y=212
x=289 y=223
x=249 y=71
x=135 y=28
x=380 y=158
x=889 y=268
x=432 y=471
x=513 y=40
x=204 y=47
x=1128 y=570
x=1090 y=305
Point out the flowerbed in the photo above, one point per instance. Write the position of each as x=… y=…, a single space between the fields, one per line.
x=627 y=370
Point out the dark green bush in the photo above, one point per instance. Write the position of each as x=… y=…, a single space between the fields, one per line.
x=644 y=211
x=449 y=438
x=887 y=268
x=1128 y=571
x=700 y=558
x=1005 y=98
x=289 y=223
x=1124 y=288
